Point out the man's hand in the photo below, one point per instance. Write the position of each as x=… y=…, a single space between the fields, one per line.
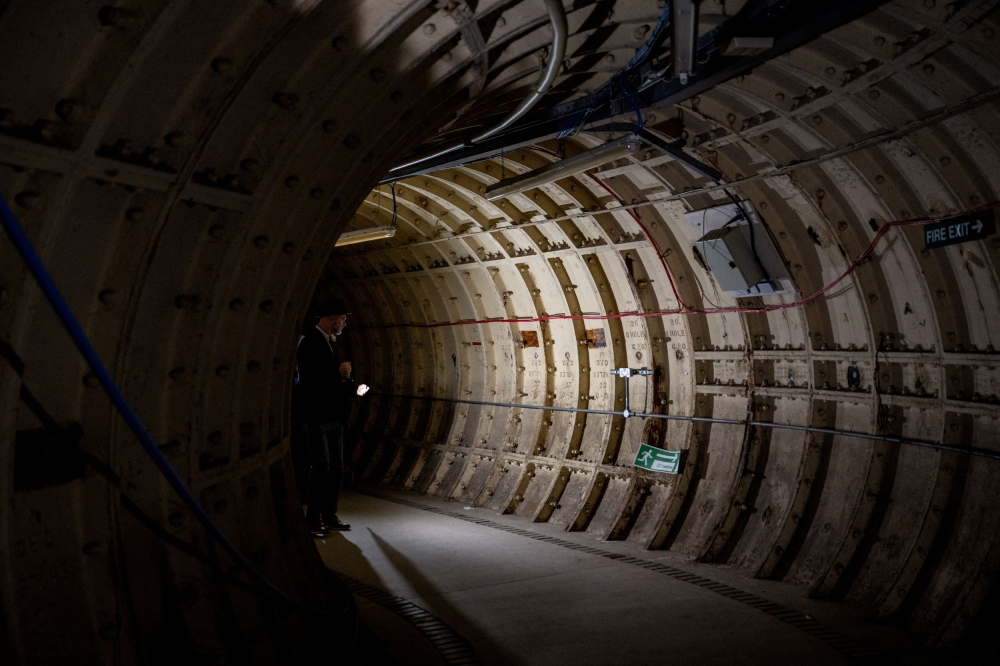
x=345 y=368
x=362 y=389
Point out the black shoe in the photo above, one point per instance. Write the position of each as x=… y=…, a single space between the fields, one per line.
x=335 y=524
x=317 y=526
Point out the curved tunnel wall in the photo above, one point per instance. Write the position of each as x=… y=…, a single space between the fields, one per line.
x=902 y=530
x=185 y=168
x=843 y=516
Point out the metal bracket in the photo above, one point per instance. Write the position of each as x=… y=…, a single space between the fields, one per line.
x=625 y=373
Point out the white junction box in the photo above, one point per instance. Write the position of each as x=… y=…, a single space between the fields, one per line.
x=728 y=255
x=742 y=258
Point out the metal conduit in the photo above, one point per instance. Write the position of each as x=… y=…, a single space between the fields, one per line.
x=560 y=33
x=984 y=453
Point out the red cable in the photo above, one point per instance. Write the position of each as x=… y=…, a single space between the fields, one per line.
x=645 y=231
x=688 y=311
x=635 y=217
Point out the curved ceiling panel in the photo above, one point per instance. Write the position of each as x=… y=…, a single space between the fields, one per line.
x=185 y=170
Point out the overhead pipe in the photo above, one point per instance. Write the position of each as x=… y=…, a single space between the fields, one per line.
x=560 y=33
x=793 y=23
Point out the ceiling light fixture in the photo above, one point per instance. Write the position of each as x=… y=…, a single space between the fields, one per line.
x=373 y=233
x=365 y=235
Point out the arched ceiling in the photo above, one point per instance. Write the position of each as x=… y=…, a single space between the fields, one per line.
x=185 y=170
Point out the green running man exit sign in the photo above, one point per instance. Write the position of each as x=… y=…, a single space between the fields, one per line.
x=657 y=460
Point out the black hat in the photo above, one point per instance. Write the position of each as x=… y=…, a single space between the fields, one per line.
x=331 y=307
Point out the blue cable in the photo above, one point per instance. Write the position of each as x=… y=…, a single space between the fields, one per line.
x=577 y=120
x=69 y=322
x=640 y=123
x=641 y=54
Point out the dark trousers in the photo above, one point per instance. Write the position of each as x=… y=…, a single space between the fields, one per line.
x=326 y=467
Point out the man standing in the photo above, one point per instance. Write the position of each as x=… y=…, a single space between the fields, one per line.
x=326 y=389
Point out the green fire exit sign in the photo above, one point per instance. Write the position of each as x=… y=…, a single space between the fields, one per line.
x=657 y=460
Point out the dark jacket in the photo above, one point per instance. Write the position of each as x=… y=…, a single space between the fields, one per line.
x=323 y=395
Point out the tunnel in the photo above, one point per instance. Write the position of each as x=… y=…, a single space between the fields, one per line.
x=677 y=319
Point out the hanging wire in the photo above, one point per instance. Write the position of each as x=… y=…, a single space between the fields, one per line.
x=643 y=53
x=395 y=212
x=753 y=245
x=881 y=417
x=576 y=121
x=639 y=121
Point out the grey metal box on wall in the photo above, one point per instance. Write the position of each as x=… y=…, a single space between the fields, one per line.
x=730 y=259
x=764 y=254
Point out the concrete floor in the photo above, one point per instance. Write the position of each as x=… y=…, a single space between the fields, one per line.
x=523 y=601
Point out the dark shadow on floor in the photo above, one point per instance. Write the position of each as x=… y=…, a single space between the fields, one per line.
x=386 y=639
x=348 y=559
x=438 y=604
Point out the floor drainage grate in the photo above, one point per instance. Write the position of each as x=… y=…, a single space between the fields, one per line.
x=846 y=646
x=453 y=648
